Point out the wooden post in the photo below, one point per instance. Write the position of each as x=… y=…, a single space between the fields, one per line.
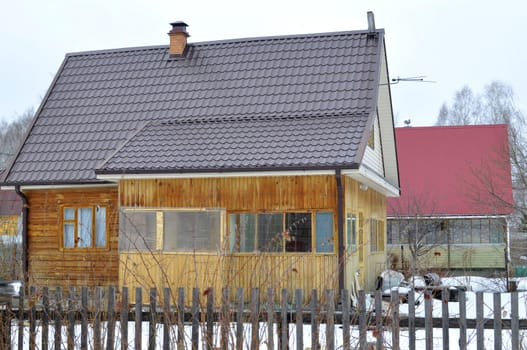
x=444 y=321
x=58 y=319
x=84 y=318
x=255 y=309
x=110 y=324
x=195 y=318
x=45 y=318
x=394 y=296
x=429 y=328
x=152 y=323
x=239 y=319
x=299 y=321
x=32 y=318
x=330 y=320
x=270 y=318
x=346 y=305
x=284 y=326
x=462 y=320
x=480 y=322
x=497 y=320
x=362 y=320
x=71 y=318
x=315 y=343
x=124 y=318
x=411 y=320
x=138 y=317
x=210 y=320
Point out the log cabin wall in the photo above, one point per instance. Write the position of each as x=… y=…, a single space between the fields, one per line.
x=52 y=265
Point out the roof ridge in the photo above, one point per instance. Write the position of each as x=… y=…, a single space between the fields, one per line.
x=219 y=119
x=225 y=41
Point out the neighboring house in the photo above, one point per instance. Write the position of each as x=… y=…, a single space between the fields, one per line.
x=456 y=195
x=10 y=212
x=261 y=162
x=10 y=238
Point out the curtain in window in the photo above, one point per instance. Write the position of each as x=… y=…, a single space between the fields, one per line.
x=84 y=228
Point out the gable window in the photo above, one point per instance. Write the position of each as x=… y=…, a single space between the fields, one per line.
x=84 y=227
x=171 y=230
x=281 y=232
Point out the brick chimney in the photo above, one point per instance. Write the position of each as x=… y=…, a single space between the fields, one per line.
x=178 y=38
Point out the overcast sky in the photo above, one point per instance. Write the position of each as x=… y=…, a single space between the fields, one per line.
x=451 y=42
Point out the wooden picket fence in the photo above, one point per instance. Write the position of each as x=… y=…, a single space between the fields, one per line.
x=102 y=318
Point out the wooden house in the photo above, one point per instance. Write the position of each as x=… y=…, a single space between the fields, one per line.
x=259 y=162
x=456 y=196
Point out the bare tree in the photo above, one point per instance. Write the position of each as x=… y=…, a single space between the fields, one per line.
x=496 y=105
x=12 y=134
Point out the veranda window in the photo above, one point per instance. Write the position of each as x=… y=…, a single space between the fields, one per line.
x=171 y=230
x=281 y=232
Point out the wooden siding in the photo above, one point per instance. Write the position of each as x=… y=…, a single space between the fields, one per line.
x=462 y=256
x=52 y=266
x=250 y=194
x=365 y=204
x=249 y=271
x=234 y=194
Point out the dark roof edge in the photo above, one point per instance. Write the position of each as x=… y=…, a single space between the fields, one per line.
x=373 y=109
x=224 y=170
x=55 y=183
x=225 y=41
x=5 y=174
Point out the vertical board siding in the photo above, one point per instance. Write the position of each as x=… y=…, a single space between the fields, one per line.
x=203 y=271
x=250 y=194
x=52 y=266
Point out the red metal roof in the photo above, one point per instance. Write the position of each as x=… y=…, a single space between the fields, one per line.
x=453 y=170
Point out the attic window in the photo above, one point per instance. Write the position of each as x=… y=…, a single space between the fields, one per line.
x=371 y=140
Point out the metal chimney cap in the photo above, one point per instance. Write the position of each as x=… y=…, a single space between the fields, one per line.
x=179 y=27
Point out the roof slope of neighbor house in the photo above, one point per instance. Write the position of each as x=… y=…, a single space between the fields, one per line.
x=453 y=170
x=99 y=100
x=10 y=203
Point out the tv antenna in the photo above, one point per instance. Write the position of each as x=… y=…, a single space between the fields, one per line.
x=418 y=79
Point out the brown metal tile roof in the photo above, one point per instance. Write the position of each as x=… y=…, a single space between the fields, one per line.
x=100 y=99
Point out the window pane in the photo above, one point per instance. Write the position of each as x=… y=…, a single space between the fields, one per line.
x=467 y=231
x=137 y=230
x=456 y=231
x=100 y=227
x=192 y=231
x=242 y=232
x=324 y=232
x=69 y=214
x=270 y=230
x=84 y=228
x=69 y=235
x=485 y=231
x=298 y=232
x=351 y=232
x=497 y=230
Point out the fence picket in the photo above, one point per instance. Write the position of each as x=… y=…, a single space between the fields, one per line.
x=411 y=320
x=152 y=320
x=255 y=310
x=71 y=319
x=210 y=320
x=32 y=318
x=195 y=318
x=515 y=326
x=180 y=319
x=97 y=319
x=378 y=320
x=315 y=344
x=138 y=318
x=45 y=318
x=124 y=318
x=330 y=320
x=167 y=317
x=239 y=319
x=58 y=318
x=299 y=321
x=462 y=320
x=84 y=318
x=21 y=308
x=225 y=319
x=345 y=319
x=270 y=318
x=362 y=320
x=497 y=320
x=284 y=327
x=445 y=322
x=429 y=330
x=480 y=322
x=394 y=304
x=110 y=330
